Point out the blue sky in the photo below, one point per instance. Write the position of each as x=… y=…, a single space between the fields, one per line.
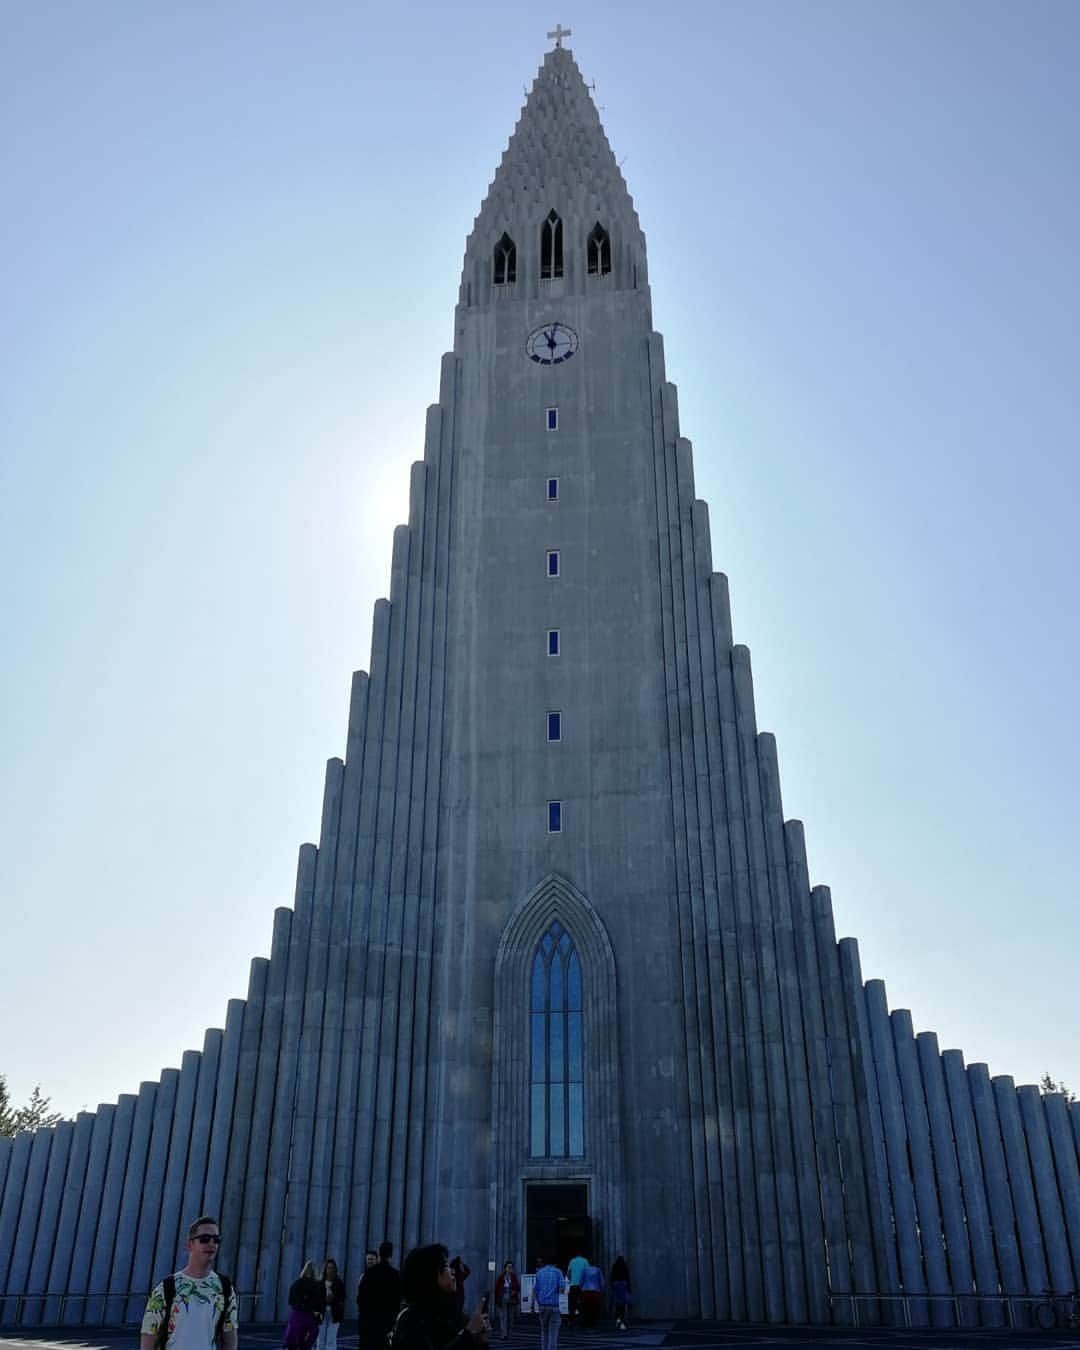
x=231 y=246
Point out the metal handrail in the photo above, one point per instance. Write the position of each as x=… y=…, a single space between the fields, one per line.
x=1006 y=1302
x=65 y=1297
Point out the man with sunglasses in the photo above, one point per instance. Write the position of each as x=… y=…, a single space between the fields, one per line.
x=195 y=1309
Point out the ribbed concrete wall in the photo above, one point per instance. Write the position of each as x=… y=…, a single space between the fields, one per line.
x=763 y=1136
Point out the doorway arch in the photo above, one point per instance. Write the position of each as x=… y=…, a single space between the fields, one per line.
x=600 y=1165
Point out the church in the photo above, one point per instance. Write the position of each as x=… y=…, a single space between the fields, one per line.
x=556 y=977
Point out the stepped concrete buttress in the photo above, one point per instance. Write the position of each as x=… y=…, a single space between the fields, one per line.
x=555 y=750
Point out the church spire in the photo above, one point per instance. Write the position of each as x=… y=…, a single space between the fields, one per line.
x=558 y=160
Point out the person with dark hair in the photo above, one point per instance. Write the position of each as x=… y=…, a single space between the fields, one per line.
x=547 y=1293
x=592 y=1295
x=378 y=1300
x=431 y=1318
x=195 y=1309
x=574 y=1272
x=619 y=1280
x=461 y=1274
x=333 y=1305
x=507 y=1296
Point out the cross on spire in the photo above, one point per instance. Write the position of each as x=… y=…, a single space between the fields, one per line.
x=558 y=33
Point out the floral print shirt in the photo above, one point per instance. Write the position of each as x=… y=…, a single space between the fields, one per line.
x=194 y=1313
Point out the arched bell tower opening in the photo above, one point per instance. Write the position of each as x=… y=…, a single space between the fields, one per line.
x=557 y=1169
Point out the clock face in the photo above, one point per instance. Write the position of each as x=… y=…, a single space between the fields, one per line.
x=551 y=344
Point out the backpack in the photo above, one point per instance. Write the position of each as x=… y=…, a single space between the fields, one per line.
x=169 y=1284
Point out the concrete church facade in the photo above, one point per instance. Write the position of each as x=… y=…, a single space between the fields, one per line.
x=555 y=973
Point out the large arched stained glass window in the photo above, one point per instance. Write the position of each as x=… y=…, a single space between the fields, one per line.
x=556 y=1084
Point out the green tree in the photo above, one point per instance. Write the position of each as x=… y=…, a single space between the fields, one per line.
x=33 y=1116
x=1048 y=1085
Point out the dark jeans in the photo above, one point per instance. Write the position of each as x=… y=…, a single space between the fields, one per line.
x=505 y=1312
x=549 y=1328
x=573 y=1299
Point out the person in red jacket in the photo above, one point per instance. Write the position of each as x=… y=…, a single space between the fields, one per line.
x=507 y=1298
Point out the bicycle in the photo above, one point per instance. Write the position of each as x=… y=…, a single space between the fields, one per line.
x=1058 y=1310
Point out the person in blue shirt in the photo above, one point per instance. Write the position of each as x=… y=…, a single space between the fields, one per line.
x=592 y=1295
x=574 y=1272
x=547 y=1289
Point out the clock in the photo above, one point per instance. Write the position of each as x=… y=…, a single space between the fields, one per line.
x=551 y=344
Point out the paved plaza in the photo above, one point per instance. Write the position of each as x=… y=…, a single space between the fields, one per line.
x=648 y=1336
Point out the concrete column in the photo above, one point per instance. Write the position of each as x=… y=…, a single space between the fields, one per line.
x=69 y=1215
x=440 y=457
x=130 y=1197
x=704 y=1262
x=868 y=1107
x=45 y=1237
x=33 y=1189
x=357 y=1067
x=408 y=841
x=286 y=1106
x=168 y=1247
x=18 y=1161
x=224 y=1099
x=319 y=1078
x=783 y=1267
x=327 y=1163
x=721 y=1275
x=144 y=1275
x=435 y=883
x=1067 y=1171
x=896 y=1150
x=922 y=1165
x=947 y=1170
x=837 y=1130
x=111 y=1195
x=757 y=1191
x=813 y=1303
x=689 y=1105
x=326 y=997
x=306 y=1197
x=739 y=1227
x=998 y=1194
x=728 y=1282
x=1023 y=1192
x=1047 y=1194
x=383 y=980
x=973 y=1183
x=193 y=1202
x=76 y=1312
x=253 y=1192
x=230 y=1211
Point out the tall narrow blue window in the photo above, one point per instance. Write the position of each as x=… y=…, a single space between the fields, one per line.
x=553 y=642
x=554 y=817
x=556 y=1059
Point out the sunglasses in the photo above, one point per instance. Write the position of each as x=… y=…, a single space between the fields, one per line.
x=207 y=1237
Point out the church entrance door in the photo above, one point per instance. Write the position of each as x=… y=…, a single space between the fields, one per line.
x=557 y=1223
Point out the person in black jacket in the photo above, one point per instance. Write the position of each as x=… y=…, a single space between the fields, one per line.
x=305 y=1310
x=333 y=1309
x=378 y=1299
x=431 y=1319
